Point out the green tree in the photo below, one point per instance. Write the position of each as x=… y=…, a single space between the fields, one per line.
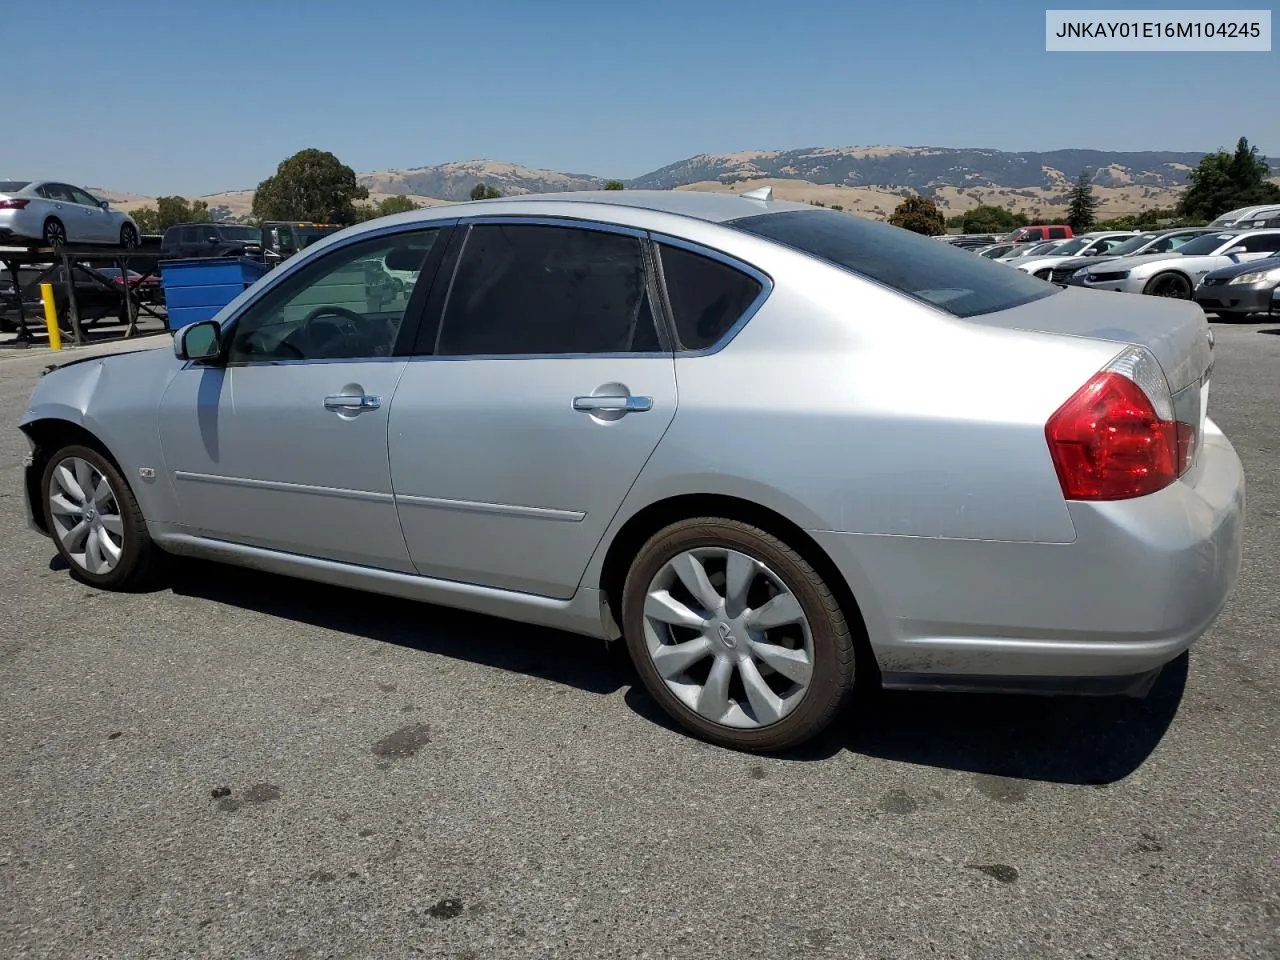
x=482 y=191
x=1224 y=181
x=614 y=185
x=168 y=212
x=385 y=207
x=919 y=215
x=311 y=186
x=992 y=219
x=1082 y=209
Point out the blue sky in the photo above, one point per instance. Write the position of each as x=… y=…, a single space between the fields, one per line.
x=194 y=97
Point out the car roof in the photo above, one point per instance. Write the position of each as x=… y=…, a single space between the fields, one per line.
x=697 y=204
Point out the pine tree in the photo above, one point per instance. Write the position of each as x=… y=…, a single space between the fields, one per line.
x=1082 y=212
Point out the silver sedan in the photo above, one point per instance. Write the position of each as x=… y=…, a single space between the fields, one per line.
x=53 y=214
x=771 y=447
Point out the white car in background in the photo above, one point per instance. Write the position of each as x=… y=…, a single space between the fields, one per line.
x=52 y=214
x=1030 y=250
x=1084 y=245
x=1176 y=274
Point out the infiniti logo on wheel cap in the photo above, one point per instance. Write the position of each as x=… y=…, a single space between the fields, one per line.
x=726 y=635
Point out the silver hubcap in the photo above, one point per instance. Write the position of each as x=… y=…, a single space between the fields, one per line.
x=86 y=516
x=728 y=637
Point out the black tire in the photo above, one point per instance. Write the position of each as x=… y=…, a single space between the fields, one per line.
x=129 y=236
x=1231 y=316
x=139 y=556
x=832 y=679
x=64 y=320
x=1169 y=284
x=55 y=233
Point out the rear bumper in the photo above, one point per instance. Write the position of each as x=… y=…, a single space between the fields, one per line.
x=1141 y=582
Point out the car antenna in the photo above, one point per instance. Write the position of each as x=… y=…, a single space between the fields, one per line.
x=764 y=193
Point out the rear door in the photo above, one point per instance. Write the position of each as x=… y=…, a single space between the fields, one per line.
x=545 y=382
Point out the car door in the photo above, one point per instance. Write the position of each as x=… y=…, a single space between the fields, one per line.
x=545 y=382
x=93 y=219
x=282 y=443
x=63 y=206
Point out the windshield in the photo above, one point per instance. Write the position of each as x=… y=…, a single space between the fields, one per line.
x=1132 y=244
x=13 y=186
x=1034 y=249
x=251 y=234
x=1071 y=246
x=1206 y=244
x=950 y=278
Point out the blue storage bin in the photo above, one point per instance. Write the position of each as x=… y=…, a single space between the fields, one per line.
x=196 y=289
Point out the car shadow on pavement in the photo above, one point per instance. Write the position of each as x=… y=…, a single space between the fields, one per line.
x=1275 y=331
x=1081 y=740
x=566 y=658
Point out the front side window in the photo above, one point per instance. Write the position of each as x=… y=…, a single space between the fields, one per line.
x=541 y=289
x=191 y=235
x=1261 y=243
x=949 y=278
x=345 y=305
x=707 y=297
x=83 y=198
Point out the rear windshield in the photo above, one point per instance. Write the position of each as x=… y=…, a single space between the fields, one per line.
x=950 y=278
x=13 y=186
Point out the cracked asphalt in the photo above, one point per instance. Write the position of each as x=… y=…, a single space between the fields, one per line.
x=240 y=765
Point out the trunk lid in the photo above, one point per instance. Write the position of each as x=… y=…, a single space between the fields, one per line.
x=1175 y=331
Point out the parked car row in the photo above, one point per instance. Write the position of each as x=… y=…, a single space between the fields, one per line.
x=1184 y=263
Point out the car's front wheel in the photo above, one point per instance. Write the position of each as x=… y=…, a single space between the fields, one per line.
x=1170 y=284
x=95 y=521
x=736 y=635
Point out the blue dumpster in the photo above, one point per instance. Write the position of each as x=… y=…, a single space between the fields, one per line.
x=196 y=289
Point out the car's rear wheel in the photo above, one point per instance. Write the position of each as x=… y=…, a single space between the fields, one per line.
x=128 y=236
x=64 y=319
x=55 y=233
x=95 y=521
x=736 y=635
x=1173 y=285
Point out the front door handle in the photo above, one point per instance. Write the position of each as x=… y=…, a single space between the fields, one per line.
x=626 y=404
x=352 y=402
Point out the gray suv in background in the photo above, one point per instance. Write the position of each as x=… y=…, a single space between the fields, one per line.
x=210 y=240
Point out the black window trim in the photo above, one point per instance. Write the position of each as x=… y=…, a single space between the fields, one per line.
x=413 y=311
x=429 y=330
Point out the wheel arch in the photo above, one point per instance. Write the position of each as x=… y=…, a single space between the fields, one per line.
x=48 y=434
x=1176 y=271
x=648 y=520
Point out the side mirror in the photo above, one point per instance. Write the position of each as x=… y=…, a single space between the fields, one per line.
x=104 y=204
x=1236 y=251
x=198 y=341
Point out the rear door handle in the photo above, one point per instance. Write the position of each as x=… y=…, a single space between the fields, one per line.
x=352 y=402
x=613 y=404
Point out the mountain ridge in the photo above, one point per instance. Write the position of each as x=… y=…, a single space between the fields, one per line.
x=865 y=179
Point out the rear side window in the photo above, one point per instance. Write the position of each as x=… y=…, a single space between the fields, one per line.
x=951 y=279
x=1057 y=233
x=707 y=296
x=539 y=289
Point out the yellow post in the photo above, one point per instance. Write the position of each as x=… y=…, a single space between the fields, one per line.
x=51 y=315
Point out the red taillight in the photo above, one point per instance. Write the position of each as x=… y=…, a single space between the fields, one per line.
x=1109 y=443
x=13 y=204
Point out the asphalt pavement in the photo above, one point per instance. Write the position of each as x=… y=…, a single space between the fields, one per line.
x=241 y=765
